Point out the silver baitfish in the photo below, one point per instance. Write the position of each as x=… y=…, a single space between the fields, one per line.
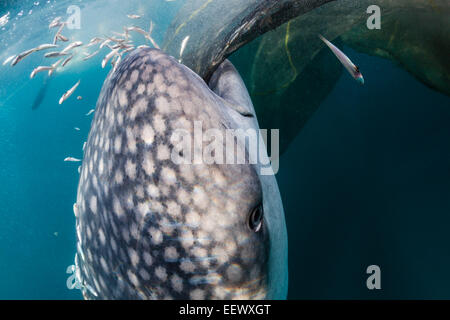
x=69 y=92
x=149 y=228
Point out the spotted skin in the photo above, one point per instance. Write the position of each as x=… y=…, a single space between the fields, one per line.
x=148 y=228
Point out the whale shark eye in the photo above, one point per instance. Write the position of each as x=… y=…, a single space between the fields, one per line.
x=256 y=218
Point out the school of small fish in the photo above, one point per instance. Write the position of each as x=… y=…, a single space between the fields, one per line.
x=118 y=44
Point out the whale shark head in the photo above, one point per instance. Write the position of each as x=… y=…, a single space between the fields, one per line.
x=150 y=227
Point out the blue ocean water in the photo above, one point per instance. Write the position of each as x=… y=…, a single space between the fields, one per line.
x=38 y=189
x=365 y=182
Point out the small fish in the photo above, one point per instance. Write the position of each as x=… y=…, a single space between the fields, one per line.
x=61 y=27
x=128 y=50
x=54 y=54
x=55 y=22
x=75 y=208
x=4 y=19
x=346 y=62
x=8 y=59
x=116 y=62
x=91 y=55
x=79 y=97
x=71 y=159
x=125 y=31
x=57 y=63
x=55 y=38
x=84 y=145
x=152 y=41
x=116 y=46
x=104 y=43
x=145 y=34
x=55 y=234
x=123 y=35
x=150 y=29
x=116 y=40
x=67 y=60
x=28 y=52
x=133 y=16
x=71 y=46
x=90 y=112
x=45 y=46
x=62 y=38
x=183 y=46
x=126 y=46
x=39 y=69
x=76 y=128
x=93 y=41
x=69 y=92
x=137 y=29
x=22 y=55
x=54 y=66
x=109 y=56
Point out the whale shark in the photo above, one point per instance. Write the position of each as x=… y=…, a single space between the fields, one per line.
x=149 y=228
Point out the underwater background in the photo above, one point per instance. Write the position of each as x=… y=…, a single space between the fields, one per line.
x=365 y=181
